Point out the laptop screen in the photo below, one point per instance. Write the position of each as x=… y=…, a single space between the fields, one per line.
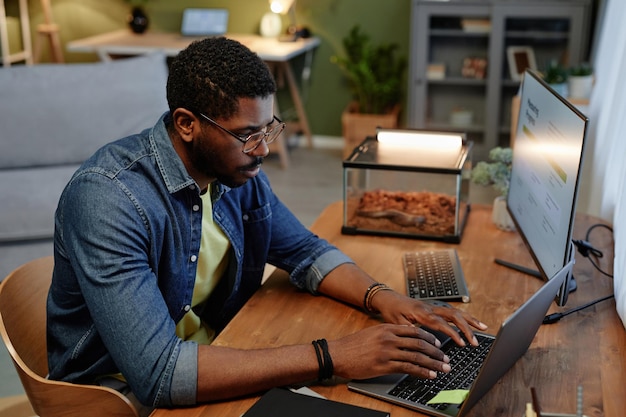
x=204 y=22
x=547 y=161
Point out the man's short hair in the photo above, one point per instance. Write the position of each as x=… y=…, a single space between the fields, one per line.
x=212 y=74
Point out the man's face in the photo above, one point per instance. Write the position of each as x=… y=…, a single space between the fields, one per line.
x=217 y=154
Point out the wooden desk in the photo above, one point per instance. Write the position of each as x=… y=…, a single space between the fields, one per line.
x=277 y=54
x=586 y=348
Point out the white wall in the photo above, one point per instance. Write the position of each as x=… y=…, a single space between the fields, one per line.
x=603 y=187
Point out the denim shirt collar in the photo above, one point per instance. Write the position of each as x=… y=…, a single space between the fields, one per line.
x=171 y=167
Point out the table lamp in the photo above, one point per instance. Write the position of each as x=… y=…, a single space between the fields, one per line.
x=286 y=7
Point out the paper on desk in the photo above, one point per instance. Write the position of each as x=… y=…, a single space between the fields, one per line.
x=455 y=396
x=307 y=391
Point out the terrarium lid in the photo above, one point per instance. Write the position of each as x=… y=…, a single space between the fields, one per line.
x=412 y=150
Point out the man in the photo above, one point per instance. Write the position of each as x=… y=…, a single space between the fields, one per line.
x=161 y=237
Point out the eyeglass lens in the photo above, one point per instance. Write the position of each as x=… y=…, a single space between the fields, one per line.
x=269 y=136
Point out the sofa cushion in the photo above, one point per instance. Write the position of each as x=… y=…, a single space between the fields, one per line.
x=54 y=114
x=29 y=200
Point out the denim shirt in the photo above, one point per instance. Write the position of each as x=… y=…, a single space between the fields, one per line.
x=127 y=237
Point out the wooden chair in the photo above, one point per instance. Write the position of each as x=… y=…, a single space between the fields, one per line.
x=23 y=296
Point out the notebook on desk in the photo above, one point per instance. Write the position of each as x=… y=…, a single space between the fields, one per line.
x=448 y=395
x=204 y=22
x=279 y=402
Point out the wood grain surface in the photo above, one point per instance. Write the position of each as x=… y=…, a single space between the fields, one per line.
x=585 y=348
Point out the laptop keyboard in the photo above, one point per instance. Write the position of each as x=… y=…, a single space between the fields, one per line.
x=465 y=363
x=435 y=274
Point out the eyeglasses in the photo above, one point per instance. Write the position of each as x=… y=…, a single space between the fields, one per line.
x=253 y=140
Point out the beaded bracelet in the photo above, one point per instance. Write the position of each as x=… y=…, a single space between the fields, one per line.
x=369 y=294
x=324 y=360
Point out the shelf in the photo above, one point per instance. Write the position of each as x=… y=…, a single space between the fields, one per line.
x=537 y=35
x=460 y=81
x=445 y=33
x=455 y=33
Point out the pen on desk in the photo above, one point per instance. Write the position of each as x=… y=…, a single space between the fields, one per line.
x=579 y=401
x=536 y=406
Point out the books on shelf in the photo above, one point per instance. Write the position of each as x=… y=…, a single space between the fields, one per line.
x=476 y=25
x=436 y=71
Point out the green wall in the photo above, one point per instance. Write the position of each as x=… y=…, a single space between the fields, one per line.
x=330 y=20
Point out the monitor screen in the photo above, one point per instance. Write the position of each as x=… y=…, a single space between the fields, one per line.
x=204 y=22
x=547 y=161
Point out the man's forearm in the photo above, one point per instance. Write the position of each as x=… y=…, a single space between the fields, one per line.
x=347 y=283
x=227 y=373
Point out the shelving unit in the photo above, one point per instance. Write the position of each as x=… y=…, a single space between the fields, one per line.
x=448 y=33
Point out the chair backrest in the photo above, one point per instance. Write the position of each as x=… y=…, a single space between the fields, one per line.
x=23 y=295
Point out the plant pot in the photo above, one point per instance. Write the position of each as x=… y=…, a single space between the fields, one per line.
x=500 y=216
x=138 y=20
x=357 y=126
x=580 y=86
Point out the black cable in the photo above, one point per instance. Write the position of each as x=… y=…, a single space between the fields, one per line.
x=587 y=250
x=553 y=318
x=606 y=226
x=609 y=228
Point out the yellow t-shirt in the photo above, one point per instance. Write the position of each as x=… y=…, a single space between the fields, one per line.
x=212 y=262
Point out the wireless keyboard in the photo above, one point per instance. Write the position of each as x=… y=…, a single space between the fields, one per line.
x=435 y=275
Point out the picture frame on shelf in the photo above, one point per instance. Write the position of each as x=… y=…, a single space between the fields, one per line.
x=520 y=58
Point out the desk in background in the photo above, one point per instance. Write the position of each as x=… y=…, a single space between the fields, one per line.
x=586 y=348
x=277 y=54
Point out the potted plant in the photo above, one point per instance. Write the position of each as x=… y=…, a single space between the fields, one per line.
x=375 y=75
x=556 y=76
x=497 y=173
x=580 y=81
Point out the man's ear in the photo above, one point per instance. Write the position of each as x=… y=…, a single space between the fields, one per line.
x=186 y=124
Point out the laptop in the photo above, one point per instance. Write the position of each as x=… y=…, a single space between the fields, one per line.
x=204 y=22
x=513 y=339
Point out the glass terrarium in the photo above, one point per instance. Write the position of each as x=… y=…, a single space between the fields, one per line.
x=408 y=183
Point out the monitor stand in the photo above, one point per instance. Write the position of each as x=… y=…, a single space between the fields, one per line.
x=533 y=272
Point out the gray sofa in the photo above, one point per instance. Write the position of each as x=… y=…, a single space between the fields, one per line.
x=52 y=118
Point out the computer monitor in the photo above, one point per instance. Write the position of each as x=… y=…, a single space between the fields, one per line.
x=545 y=176
x=204 y=22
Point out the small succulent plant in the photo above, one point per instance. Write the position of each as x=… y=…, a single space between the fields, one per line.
x=495 y=172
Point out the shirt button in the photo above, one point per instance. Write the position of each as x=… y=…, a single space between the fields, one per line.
x=245 y=217
x=192 y=187
x=193 y=258
x=195 y=207
x=187 y=308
